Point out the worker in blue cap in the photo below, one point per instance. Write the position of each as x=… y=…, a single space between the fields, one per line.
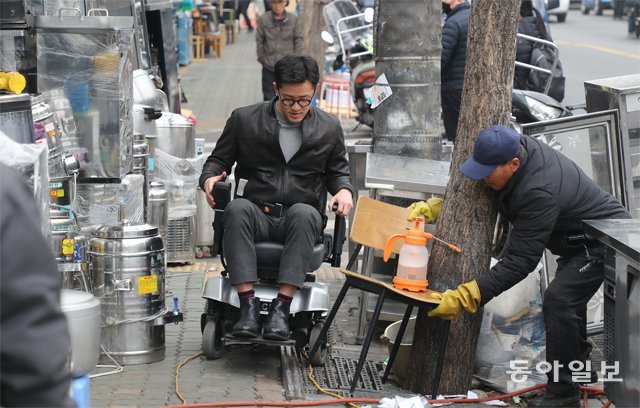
x=545 y=196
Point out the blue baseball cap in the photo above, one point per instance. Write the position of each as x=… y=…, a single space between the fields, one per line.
x=494 y=146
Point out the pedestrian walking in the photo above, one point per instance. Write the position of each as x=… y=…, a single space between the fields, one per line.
x=453 y=61
x=279 y=33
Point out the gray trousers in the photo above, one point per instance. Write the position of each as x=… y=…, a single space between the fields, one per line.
x=244 y=223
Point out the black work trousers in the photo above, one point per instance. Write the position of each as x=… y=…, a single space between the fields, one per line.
x=244 y=223
x=578 y=278
x=268 y=78
x=450 y=112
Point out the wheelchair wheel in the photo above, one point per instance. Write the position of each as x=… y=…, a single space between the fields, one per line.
x=212 y=342
x=318 y=358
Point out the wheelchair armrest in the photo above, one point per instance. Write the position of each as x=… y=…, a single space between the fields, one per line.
x=222 y=197
x=339 y=236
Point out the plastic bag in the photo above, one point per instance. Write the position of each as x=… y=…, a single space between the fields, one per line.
x=513 y=330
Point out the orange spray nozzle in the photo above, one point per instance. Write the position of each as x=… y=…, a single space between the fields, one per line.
x=413 y=236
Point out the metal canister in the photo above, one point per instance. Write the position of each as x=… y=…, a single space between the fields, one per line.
x=128 y=270
x=159 y=209
x=69 y=247
x=62 y=190
x=140 y=166
x=47 y=131
x=204 y=217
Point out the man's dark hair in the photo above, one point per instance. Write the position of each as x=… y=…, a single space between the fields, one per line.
x=296 y=69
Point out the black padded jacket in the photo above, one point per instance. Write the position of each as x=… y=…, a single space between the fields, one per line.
x=545 y=201
x=454 y=47
x=250 y=140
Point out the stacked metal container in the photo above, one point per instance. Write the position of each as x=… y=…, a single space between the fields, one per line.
x=128 y=270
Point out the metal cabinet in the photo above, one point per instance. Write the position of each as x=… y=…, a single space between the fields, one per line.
x=622 y=93
x=622 y=308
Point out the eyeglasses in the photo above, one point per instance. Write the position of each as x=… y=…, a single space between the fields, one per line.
x=303 y=103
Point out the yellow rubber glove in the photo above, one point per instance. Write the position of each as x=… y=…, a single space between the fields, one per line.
x=430 y=209
x=453 y=302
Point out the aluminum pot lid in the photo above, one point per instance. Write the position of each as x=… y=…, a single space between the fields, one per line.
x=74 y=301
x=172 y=120
x=125 y=231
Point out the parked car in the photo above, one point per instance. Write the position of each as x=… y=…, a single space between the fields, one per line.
x=558 y=8
x=542 y=8
x=597 y=5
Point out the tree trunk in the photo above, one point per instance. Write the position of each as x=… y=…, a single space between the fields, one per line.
x=468 y=213
x=313 y=24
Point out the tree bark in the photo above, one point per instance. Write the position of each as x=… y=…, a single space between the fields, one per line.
x=468 y=213
x=313 y=24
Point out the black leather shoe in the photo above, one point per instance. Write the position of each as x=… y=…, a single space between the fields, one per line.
x=549 y=400
x=249 y=323
x=276 y=327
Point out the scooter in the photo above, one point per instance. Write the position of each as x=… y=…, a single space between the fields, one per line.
x=531 y=106
x=353 y=32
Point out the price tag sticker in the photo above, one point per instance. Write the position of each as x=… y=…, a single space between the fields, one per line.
x=147 y=284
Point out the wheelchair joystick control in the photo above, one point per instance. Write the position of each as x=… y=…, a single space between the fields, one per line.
x=221 y=195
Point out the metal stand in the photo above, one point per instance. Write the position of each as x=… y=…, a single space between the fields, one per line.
x=371 y=285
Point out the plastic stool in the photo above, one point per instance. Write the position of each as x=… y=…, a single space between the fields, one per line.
x=335 y=96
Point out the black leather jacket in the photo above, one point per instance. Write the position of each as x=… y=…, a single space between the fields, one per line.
x=545 y=201
x=250 y=139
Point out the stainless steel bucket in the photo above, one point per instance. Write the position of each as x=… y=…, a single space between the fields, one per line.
x=128 y=269
x=83 y=317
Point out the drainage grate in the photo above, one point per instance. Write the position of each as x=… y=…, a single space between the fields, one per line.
x=337 y=373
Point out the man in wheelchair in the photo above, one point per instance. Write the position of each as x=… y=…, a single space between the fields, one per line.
x=288 y=154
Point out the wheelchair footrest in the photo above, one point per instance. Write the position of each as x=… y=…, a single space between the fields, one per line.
x=230 y=338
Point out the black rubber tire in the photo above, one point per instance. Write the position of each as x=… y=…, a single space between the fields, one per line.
x=212 y=342
x=318 y=358
x=562 y=18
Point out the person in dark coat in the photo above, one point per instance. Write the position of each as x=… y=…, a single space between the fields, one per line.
x=288 y=154
x=545 y=196
x=453 y=61
x=34 y=338
x=243 y=7
x=530 y=23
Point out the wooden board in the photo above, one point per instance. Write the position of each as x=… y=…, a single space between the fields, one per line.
x=374 y=222
x=424 y=297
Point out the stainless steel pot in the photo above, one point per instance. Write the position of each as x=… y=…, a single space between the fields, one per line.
x=128 y=267
x=176 y=136
x=83 y=317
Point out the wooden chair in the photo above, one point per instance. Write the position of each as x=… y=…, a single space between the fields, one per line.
x=198 y=46
x=216 y=41
x=373 y=223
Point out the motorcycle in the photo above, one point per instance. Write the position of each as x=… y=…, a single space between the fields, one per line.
x=529 y=106
x=354 y=33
